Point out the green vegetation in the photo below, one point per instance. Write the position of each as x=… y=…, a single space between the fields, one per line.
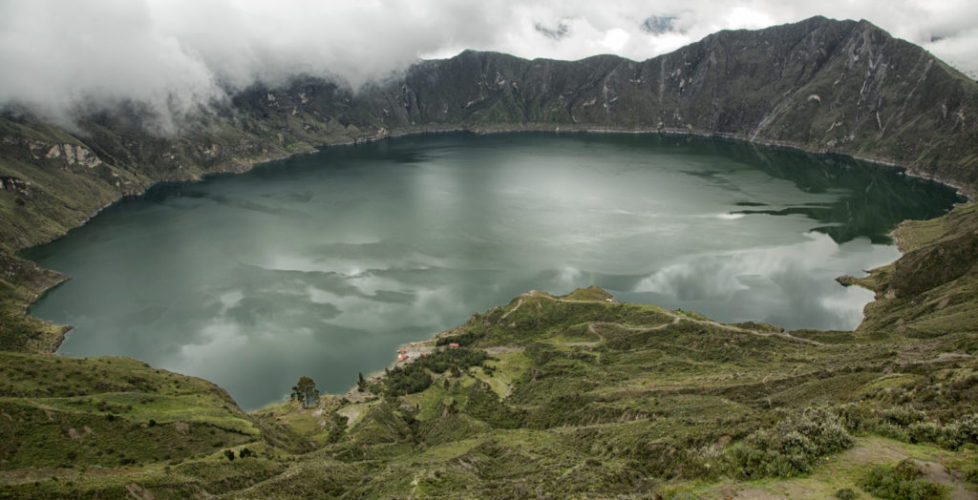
x=416 y=377
x=792 y=446
x=305 y=392
x=549 y=396
x=931 y=291
x=901 y=482
x=21 y=282
x=59 y=412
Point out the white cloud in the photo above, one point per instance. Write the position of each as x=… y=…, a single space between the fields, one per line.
x=175 y=54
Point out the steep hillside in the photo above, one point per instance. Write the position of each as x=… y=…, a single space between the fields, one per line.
x=104 y=421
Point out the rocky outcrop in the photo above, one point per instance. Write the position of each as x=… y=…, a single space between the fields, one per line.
x=74 y=155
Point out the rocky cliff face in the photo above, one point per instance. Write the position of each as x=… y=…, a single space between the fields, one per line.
x=821 y=85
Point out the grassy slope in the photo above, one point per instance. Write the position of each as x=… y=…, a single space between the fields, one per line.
x=21 y=282
x=98 y=424
x=932 y=290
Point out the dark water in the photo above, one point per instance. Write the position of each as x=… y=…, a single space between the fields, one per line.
x=322 y=264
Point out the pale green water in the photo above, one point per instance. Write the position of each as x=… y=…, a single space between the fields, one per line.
x=322 y=264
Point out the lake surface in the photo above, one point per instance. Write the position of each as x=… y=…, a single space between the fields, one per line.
x=321 y=265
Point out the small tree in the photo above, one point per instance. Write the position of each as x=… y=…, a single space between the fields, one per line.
x=305 y=392
x=361 y=383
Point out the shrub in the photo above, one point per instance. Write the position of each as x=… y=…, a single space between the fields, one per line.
x=968 y=428
x=924 y=431
x=972 y=476
x=413 y=377
x=902 y=416
x=902 y=482
x=406 y=379
x=950 y=436
x=791 y=446
x=463 y=340
x=846 y=494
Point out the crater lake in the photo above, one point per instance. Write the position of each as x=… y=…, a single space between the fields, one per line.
x=323 y=264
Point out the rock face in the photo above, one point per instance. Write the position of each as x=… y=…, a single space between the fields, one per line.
x=821 y=85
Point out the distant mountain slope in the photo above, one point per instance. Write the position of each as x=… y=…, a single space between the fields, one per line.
x=820 y=85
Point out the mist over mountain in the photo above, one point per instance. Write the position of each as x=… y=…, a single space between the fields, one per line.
x=60 y=59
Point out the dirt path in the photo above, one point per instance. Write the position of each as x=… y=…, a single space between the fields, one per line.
x=676 y=318
x=519 y=302
x=501 y=349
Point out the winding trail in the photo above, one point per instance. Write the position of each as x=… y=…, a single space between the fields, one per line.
x=519 y=302
x=676 y=318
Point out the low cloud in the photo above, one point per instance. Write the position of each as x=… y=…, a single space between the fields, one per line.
x=176 y=55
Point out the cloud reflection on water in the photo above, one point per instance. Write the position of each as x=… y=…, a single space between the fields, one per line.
x=792 y=284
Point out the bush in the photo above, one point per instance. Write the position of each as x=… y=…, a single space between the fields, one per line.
x=924 y=431
x=972 y=476
x=968 y=428
x=950 y=436
x=846 y=494
x=463 y=340
x=414 y=377
x=902 y=416
x=901 y=482
x=792 y=446
x=406 y=379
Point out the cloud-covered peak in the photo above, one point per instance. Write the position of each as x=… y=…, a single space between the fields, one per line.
x=177 y=54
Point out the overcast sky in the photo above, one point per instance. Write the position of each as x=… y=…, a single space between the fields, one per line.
x=177 y=53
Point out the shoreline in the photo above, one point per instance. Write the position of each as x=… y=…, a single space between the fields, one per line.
x=245 y=165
